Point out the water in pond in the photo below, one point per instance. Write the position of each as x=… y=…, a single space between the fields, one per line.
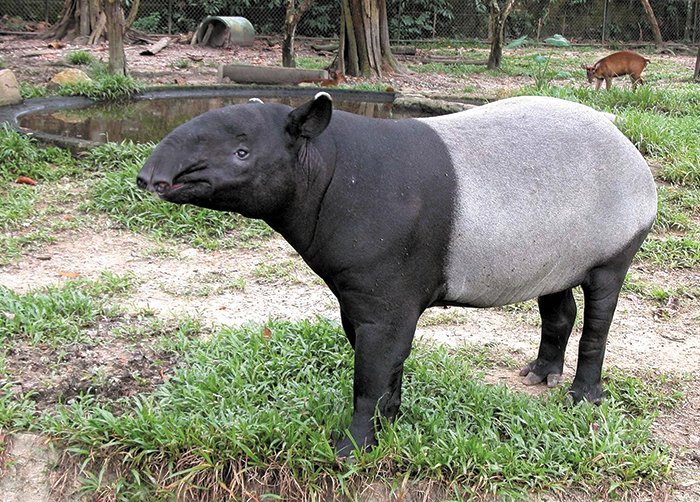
x=147 y=121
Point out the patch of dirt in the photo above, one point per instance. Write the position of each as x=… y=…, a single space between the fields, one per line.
x=230 y=287
x=33 y=61
x=643 y=341
x=110 y=370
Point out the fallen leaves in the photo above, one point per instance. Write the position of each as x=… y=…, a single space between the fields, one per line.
x=70 y=275
x=25 y=181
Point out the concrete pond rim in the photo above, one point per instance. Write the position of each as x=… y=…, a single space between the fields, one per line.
x=12 y=113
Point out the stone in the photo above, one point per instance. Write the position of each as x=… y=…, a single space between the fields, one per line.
x=69 y=76
x=9 y=89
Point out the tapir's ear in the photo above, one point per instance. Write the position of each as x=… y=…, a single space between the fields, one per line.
x=312 y=118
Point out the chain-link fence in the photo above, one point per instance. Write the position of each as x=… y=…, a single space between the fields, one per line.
x=410 y=20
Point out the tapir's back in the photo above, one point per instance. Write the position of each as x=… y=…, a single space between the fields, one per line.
x=546 y=190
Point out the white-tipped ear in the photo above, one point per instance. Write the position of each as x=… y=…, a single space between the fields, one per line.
x=255 y=100
x=310 y=119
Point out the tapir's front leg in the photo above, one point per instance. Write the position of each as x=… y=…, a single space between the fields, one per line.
x=381 y=347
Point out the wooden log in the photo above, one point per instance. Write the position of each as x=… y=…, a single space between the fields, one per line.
x=154 y=49
x=404 y=50
x=266 y=75
x=325 y=48
x=451 y=61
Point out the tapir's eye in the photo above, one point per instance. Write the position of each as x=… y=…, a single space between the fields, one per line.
x=241 y=153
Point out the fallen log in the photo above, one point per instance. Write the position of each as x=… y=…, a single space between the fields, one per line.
x=266 y=75
x=404 y=50
x=452 y=61
x=326 y=48
x=154 y=49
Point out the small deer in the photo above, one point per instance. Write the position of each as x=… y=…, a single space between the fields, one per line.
x=617 y=65
x=336 y=78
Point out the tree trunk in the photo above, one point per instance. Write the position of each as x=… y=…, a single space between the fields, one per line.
x=90 y=18
x=697 y=66
x=687 y=33
x=498 y=22
x=115 y=35
x=292 y=18
x=365 y=45
x=658 y=41
x=132 y=15
x=66 y=21
x=84 y=18
x=347 y=61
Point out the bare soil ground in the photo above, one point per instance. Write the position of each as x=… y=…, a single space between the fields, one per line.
x=647 y=339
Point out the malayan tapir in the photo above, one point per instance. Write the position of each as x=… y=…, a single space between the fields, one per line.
x=523 y=198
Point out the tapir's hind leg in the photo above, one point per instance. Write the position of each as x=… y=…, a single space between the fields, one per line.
x=558 y=313
x=601 y=290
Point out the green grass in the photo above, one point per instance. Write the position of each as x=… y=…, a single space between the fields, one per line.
x=29 y=91
x=58 y=314
x=181 y=64
x=678 y=206
x=21 y=156
x=117 y=196
x=312 y=63
x=284 y=272
x=671 y=251
x=81 y=58
x=272 y=398
x=103 y=86
x=661 y=295
x=271 y=403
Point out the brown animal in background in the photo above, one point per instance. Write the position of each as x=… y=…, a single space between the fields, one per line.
x=617 y=65
x=335 y=79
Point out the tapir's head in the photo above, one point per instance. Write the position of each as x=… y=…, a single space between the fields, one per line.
x=241 y=158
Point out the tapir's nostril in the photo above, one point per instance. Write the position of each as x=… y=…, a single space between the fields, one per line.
x=141 y=183
x=161 y=186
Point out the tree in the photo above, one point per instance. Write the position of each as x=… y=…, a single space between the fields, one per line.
x=115 y=36
x=364 y=39
x=292 y=17
x=697 y=66
x=498 y=22
x=658 y=41
x=87 y=20
x=687 y=33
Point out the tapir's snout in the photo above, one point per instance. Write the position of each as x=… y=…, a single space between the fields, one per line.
x=158 y=187
x=148 y=179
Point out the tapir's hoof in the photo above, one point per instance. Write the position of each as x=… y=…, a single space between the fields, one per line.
x=591 y=393
x=533 y=378
x=345 y=449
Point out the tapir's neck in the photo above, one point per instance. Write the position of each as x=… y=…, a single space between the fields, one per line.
x=312 y=176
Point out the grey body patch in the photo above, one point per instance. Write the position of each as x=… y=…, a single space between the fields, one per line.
x=546 y=191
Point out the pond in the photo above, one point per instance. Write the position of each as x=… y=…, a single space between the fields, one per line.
x=152 y=115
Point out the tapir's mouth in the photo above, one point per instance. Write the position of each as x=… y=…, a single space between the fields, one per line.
x=188 y=176
x=183 y=183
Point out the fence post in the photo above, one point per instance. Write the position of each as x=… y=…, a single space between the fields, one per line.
x=170 y=17
x=46 y=11
x=605 y=20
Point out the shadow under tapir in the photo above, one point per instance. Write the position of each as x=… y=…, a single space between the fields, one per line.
x=524 y=198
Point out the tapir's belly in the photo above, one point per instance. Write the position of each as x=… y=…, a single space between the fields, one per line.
x=539 y=202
